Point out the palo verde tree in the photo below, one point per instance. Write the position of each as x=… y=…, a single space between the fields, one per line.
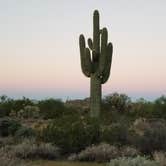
x=96 y=62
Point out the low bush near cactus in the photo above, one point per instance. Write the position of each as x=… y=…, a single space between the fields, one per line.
x=72 y=134
x=137 y=161
x=30 y=150
x=116 y=134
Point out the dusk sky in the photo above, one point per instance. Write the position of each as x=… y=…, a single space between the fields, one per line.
x=39 y=50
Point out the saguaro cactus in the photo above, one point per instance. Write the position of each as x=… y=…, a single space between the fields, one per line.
x=96 y=62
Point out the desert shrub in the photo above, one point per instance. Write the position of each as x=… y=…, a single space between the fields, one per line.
x=19 y=104
x=28 y=149
x=8 y=126
x=137 y=161
x=116 y=133
x=25 y=132
x=6 y=105
x=159 y=110
x=4 y=141
x=29 y=112
x=140 y=125
x=72 y=134
x=141 y=108
x=160 y=157
x=127 y=151
x=51 y=108
x=151 y=137
x=103 y=152
x=7 y=159
x=117 y=102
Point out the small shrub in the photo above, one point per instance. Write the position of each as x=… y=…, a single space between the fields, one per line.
x=30 y=150
x=51 y=108
x=72 y=134
x=100 y=153
x=151 y=138
x=140 y=125
x=8 y=126
x=6 y=141
x=103 y=152
x=73 y=157
x=25 y=132
x=137 y=161
x=7 y=159
x=29 y=112
x=127 y=151
x=117 y=102
x=116 y=134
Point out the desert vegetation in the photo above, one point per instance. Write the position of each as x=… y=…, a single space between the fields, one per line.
x=128 y=132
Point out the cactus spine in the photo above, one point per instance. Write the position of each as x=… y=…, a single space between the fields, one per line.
x=96 y=62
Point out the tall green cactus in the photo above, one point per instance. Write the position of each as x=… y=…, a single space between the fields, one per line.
x=96 y=62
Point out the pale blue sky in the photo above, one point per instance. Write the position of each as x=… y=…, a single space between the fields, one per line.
x=39 y=53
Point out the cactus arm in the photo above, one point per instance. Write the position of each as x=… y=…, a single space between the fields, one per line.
x=85 y=57
x=90 y=43
x=106 y=72
x=96 y=33
x=103 y=56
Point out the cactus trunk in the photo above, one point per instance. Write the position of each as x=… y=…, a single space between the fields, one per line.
x=95 y=96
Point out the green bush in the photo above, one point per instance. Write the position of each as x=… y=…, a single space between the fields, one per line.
x=151 y=137
x=8 y=126
x=51 y=108
x=137 y=161
x=25 y=132
x=116 y=134
x=117 y=102
x=6 y=105
x=72 y=134
x=29 y=112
